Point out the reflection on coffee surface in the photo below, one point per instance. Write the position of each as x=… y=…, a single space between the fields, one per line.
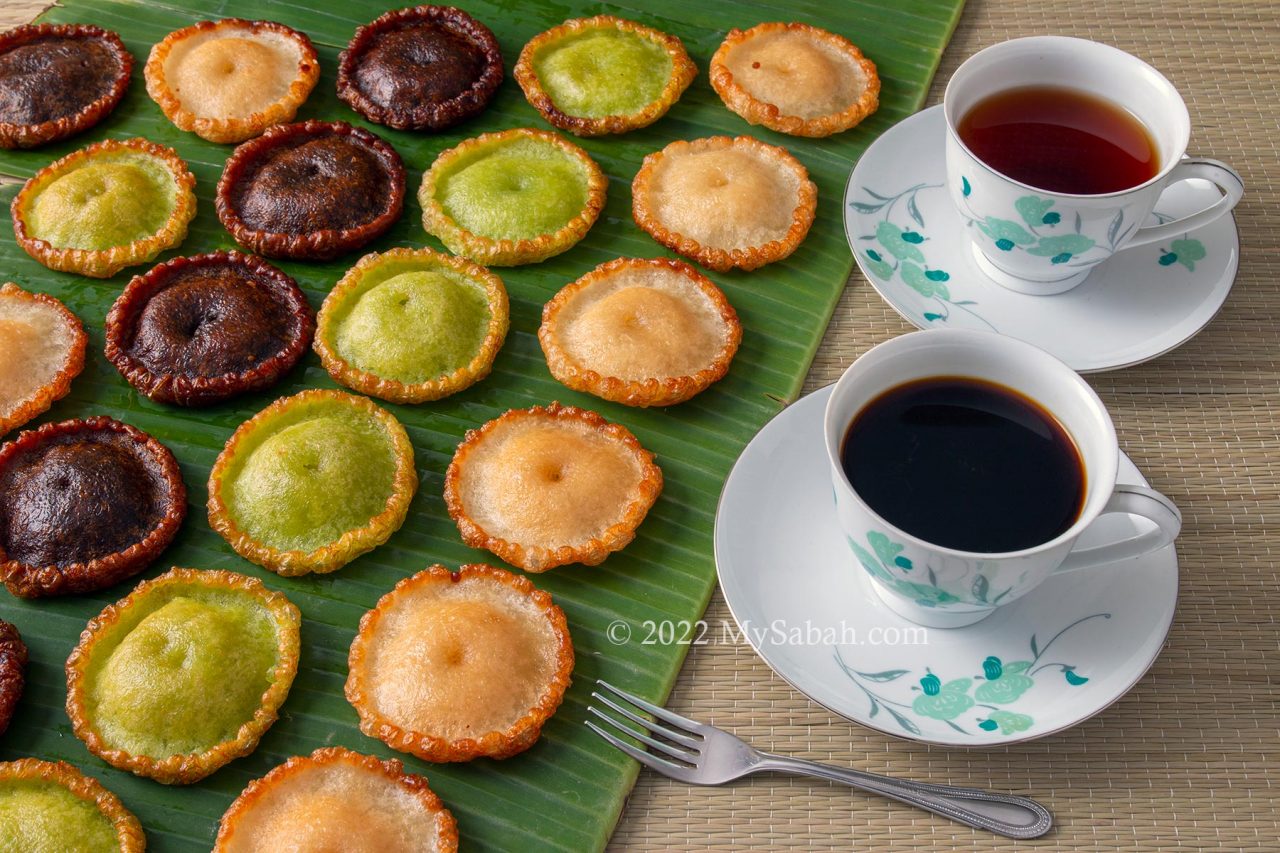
x=1060 y=140
x=966 y=464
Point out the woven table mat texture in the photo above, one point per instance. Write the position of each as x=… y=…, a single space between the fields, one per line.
x=1182 y=761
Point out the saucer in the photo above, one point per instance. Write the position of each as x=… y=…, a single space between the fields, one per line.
x=1037 y=666
x=1139 y=304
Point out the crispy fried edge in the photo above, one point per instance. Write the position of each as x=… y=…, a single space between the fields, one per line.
x=32 y=135
x=437 y=116
x=128 y=829
x=710 y=256
x=232 y=128
x=57 y=387
x=323 y=244
x=183 y=769
x=104 y=263
x=683 y=71
x=393 y=390
x=539 y=558
x=446 y=827
x=126 y=311
x=39 y=581
x=13 y=662
x=756 y=111
x=352 y=543
x=504 y=252
x=654 y=391
x=517 y=737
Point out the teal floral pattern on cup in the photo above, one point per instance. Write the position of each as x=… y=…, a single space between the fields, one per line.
x=1038 y=230
x=1036 y=234
x=983 y=699
x=885 y=557
x=899 y=250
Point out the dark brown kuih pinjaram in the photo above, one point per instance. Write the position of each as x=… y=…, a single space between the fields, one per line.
x=84 y=504
x=195 y=331
x=310 y=191
x=13 y=664
x=421 y=68
x=57 y=80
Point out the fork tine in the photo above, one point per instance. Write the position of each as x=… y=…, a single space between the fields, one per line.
x=674 y=752
x=669 y=734
x=661 y=713
x=666 y=768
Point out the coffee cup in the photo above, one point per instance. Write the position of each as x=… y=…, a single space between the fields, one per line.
x=1042 y=242
x=946 y=587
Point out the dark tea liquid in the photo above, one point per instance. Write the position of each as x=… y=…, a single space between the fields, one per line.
x=966 y=464
x=1060 y=140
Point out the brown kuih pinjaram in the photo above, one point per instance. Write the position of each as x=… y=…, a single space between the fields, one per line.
x=966 y=464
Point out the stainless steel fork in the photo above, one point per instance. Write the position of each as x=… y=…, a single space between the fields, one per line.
x=700 y=754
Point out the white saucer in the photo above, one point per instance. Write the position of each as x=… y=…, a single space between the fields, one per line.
x=1037 y=666
x=1141 y=303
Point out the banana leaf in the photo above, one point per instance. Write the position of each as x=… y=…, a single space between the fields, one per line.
x=567 y=792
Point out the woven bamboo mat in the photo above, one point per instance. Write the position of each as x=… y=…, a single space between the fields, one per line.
x=1181 y=762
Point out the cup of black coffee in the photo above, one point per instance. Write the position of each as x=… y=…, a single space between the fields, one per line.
x=966 y=465
x=1058 y=150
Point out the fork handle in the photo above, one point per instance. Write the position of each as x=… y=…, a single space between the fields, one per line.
x=1004 y=814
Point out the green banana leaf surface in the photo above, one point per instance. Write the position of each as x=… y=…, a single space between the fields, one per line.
x=567 y=792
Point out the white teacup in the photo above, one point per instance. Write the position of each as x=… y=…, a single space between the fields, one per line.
x=1040 y=242
x=943 y=587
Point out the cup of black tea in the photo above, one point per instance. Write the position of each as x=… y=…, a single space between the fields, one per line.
x=1058 y=150
x=965 y=466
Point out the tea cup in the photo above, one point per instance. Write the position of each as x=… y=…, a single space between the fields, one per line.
x=944 y=587
x=1035 y=241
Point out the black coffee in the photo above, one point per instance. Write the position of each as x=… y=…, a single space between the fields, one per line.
x=965 y=464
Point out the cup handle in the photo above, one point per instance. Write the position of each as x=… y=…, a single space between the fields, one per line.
x=1214 y=171
x=1139 y=501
